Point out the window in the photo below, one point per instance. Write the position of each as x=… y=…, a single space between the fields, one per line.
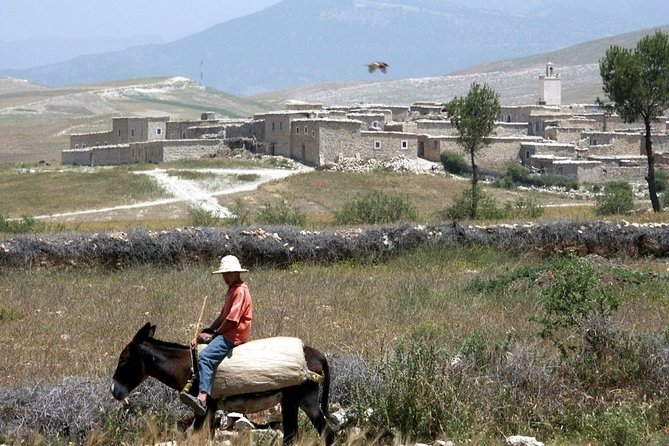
x=183 y=135
x=280 y=125
x=404 y=144
x=132 y=132
x=377 y=145
x=273 y=123
x=313 y=133
x=375 y=124
x=306 y=130
x=76 y=146
x=528 y=154
x=119 y=132
x=297 y=129
x=159 y=131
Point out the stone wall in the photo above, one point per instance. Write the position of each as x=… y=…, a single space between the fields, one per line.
x=500 y=152
x=386 y=145
x=84 y=140
x=146 y=152
x=334 y=139
x=156 y=129
x=179 y=129
x=254 y=129
x=371 y=120
x=278 y=132
x=531 y=149
x=189 y=148
x=435 y=127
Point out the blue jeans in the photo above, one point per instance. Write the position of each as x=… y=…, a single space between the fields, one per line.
x=210 y=357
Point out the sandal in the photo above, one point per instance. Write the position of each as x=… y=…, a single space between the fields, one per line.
x=194 y=403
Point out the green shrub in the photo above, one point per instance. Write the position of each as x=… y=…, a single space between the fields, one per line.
x=661 y=180
x=241 y=213
x=203 y=218
x=524 y=207
x=573 y=299
x=517 y=172
x=461 y=209
x=410 y=394
x=281 y=213
x=518 y=175
x=621 y=425
x=26 y=224
x=453 y=162
x=618 y=198
x=376 y=208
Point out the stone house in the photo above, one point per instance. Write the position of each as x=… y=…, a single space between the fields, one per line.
x=124 y=131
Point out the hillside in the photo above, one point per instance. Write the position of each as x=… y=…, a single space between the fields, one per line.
x=516 y=80
x=302 y=42
x=37 y=121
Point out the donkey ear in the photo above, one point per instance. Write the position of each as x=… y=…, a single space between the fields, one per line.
x=152 y=331
x=145 y=332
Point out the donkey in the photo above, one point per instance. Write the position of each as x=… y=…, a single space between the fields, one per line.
x=172 y=363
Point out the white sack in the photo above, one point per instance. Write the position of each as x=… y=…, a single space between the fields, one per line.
x=259 y=366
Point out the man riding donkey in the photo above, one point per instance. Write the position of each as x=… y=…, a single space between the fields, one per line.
x=231 y=328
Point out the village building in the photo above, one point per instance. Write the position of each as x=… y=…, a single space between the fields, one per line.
x=578 y=141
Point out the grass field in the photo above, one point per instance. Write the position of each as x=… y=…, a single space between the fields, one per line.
x=72 y=322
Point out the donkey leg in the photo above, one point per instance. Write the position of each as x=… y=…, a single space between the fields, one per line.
x=289 y=413
x=311 y=406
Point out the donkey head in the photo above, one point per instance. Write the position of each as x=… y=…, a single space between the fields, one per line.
x=131 y=371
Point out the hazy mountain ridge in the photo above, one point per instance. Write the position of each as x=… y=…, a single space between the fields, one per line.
x=298 y=42
x=516 y=80
x=25 y=53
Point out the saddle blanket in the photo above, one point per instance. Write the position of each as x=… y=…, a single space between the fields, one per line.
x=260 y=366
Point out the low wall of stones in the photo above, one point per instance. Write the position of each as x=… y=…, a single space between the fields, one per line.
x=189 y=148
x=634 y=174
x=148 y=152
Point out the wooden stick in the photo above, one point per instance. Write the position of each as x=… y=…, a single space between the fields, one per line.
x=199 y=320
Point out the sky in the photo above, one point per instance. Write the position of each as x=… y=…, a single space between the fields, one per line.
x=168 y=19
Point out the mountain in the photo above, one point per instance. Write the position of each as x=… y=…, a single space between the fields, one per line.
x=300 y=42
x=516 y=80
x=22 y=54
x=36 y=121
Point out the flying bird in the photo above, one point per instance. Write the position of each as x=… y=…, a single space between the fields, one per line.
x=372 y=67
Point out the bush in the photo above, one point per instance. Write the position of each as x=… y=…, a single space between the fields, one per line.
x=571 y=302
x=24 y=225
x=281 y=213
x=376 y=208
x=517 y=172
x=461 y=209
x=618 y=198
x=453 y=162
x=661 y=180
x=409 y=394
x=524 y=207
x=201 y=217
x=241 y=213
x=518 y=175
x=623 y=425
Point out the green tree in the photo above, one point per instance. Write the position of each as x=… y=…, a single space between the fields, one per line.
x=474 y=117
x=637 y=84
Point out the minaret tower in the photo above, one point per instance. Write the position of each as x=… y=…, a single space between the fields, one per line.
x=550 y=87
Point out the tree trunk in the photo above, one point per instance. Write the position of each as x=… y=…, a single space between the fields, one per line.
x=475 y=180
x=650 y=178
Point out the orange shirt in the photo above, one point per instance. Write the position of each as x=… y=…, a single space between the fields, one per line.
x=238 y=308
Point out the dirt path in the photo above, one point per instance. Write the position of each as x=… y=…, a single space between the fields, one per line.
x=193 y=193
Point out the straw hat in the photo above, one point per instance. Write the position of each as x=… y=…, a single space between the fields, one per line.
x=229 y=264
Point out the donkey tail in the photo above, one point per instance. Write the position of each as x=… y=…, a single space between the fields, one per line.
x=317 y=364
